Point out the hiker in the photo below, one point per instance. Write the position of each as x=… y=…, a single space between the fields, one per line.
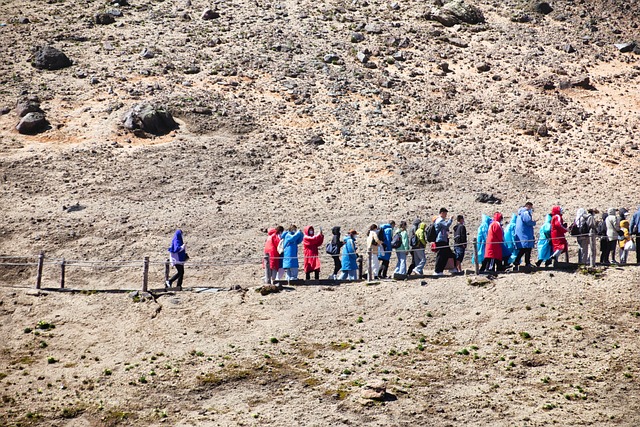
x=509 y=247
x=613 y=228
x=402 y=249
x=271 y=249
x=373 y=243
x=418 y=251
x=411 y=235
x=601 y=230
x=443 y=251
x=493 y=253
x=483 y=229
x=335 y=245
x=635 y=230
x=292 y=238
x=525 y=238
x=178 y=256
x=349 y=269
x=459 y=242
x=625 y=242
x=310 y=244
x=544 y=243
x=384 y=250
x=580 y=228
x=558 y=229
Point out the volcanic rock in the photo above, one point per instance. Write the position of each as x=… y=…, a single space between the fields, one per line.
x=149 y=118
x=50 y=58
x=32 y=123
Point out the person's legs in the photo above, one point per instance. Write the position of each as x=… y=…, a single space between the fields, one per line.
x=413 y=262
x=384 y=269
x=422 y=260
x=180 y=274
x=343 y=275
x=638 y=249
x=401 y=266
x=612 y=250
x=353 y=274
x=527 y=256
x=337 y=265
x=316 y=274
x=604 y=250
x=375 y=265
x=274 y=274
x=518 y=259
x=485 y=264
x=442 y=256
x=307 y=275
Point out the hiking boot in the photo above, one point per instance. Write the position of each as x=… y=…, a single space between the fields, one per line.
x=167 y=284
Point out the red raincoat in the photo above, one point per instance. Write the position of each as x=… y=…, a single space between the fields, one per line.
x=495 y=239
x=558 y=241
x=310 y=246
x=271 y=248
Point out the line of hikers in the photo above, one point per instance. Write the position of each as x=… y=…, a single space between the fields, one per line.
x=498 y=247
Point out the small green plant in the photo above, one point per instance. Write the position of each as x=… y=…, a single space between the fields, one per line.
x=274 y=340
x=51 y=360
x=577 y=327
x=359 y=319
x=525 y=335
x=549 y=406
x=45 y=326
x=346 y=372
x=545 y=380
x=107 y=372
x=27 y=330
x=43 y=344
x=463 y=352
x=142 y=379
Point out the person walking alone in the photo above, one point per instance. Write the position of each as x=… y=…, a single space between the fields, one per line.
x=178 y=256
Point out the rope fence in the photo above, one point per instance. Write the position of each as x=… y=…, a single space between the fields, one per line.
x=163 y=267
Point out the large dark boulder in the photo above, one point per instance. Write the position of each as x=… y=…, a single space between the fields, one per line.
x=32 y=123
x=28 y=105
x=149 y=118
x=456 y=12
x=50 y=58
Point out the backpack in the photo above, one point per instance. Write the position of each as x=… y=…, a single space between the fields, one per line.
x=584 y=228
x=332 y=249
x=601 y=230
x=431 y=233
x=574 y=230
x=281 y=246
x=414 y=242
x=396 y=242
x=381 y=235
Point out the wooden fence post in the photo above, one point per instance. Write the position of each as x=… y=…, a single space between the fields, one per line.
x=369 y=266
x=167 y=268
x=145 y=274
x=267 y=270
x=592 y=248
x=40 y=265
x=566 y=255
x=359 y=262
x=62 y=272
x=475 y=255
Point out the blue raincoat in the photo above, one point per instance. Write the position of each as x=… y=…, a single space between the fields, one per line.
x=178 y=254
x=349 y=254
x=524 y=229
x=290 y=254
x=388 y=234
x=482 y=237
x=509 y=250
x=544 y=242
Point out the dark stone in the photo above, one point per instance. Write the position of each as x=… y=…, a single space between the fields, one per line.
x=32 y=123
x=23 y=20
x=331 y=58
x=4 y=110
x=521 y=18
x=543 y=131
x=568 y=48
x=363 y=57
x=543 y=8
x=486 y=198
x=28 y=105
x=458 y=42
x=194 y=69
x=357 y=37
x=315 y=140
x=104 y=18
x=148 y=118
x=483 y=67
x=50 y=58
x=209 y=14
x=625 y=47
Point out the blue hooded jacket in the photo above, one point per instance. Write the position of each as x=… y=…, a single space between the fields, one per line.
x=544 y=242
x=177 y=248
x=482 y=237
x=388 y=234
x=509 y=249
x=524 y=229
x=634 y=226
x=290 y=254
x=349 y=256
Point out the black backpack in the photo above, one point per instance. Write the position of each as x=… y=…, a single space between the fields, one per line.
x=601 y=229
x=431 y=233
x=396 y=242
x=415 y=242
x=381 y=235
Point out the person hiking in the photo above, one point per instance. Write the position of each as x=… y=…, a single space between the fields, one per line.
x=418 y=251
x=581 y=227
x=310 y=244
x=292 y=238
x=493 y=253
x=349 y=270
x=401 y=251
x=509 y=247
x=625 y=242
x=601 y=230
x=483 y=229
x=544 y=243
x=373 y=243
x=613 y=228
x=634 y=229
x=336 y=242
x=271 y=249
x=558 y=229
x=178 y=256
x=411 y=235
x=525 y=239
x=443 y=251
x=459 y=242
x=384 y=250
